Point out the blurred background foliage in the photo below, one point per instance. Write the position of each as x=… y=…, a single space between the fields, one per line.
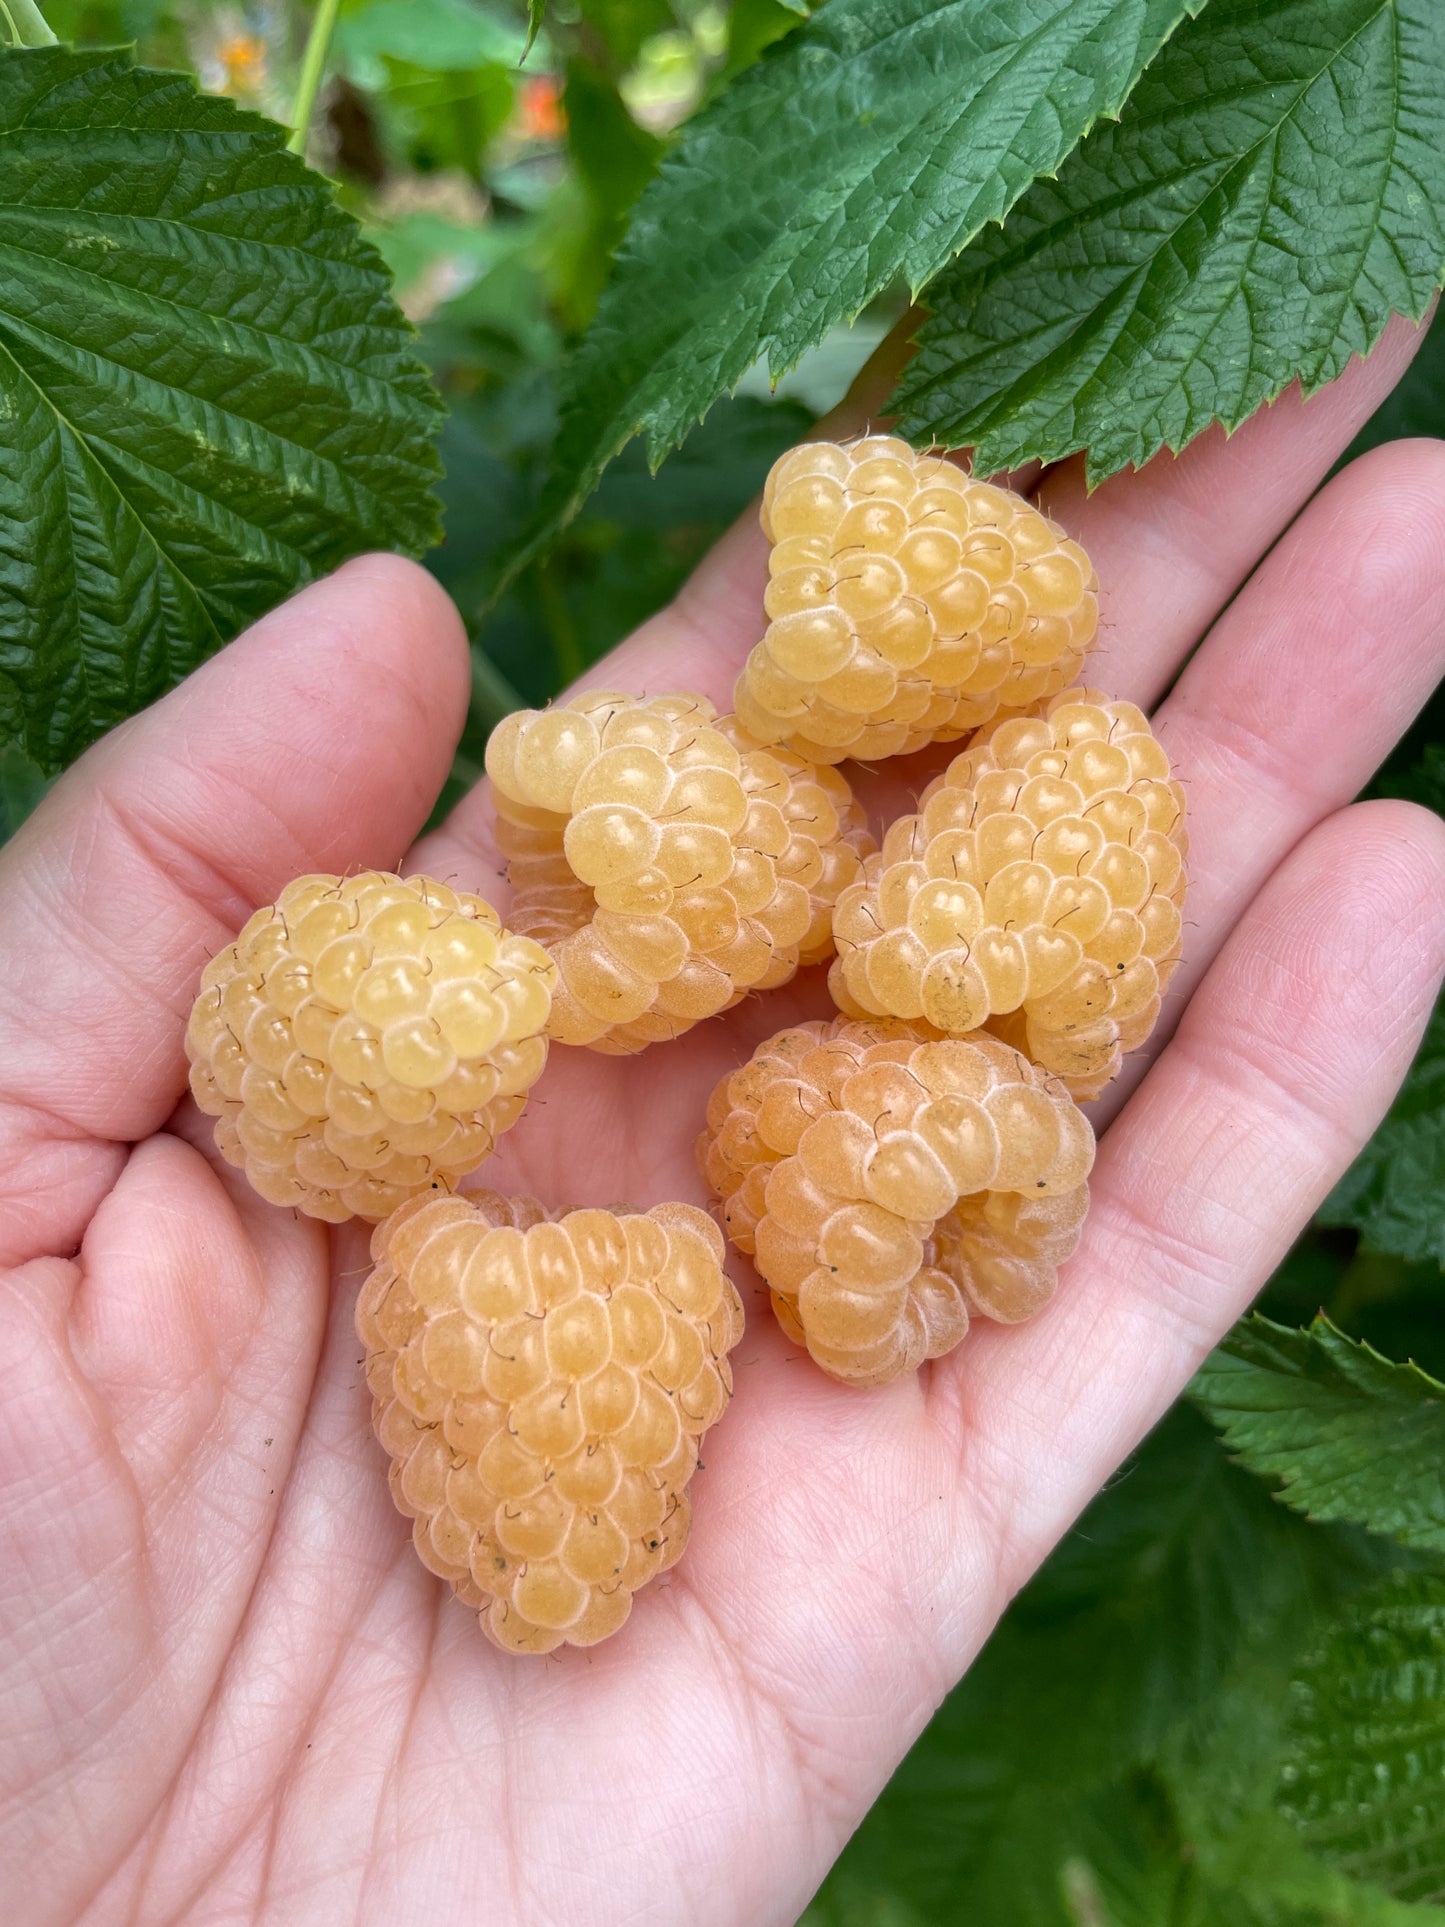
x=1118 y=1755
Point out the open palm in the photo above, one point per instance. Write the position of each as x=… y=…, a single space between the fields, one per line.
x=230 y=1690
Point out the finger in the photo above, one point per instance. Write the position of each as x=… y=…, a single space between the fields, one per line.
x=316 y=741
x=1171 y=542
x=144 y=1438
x=1283 y=1065
x=1302 y=688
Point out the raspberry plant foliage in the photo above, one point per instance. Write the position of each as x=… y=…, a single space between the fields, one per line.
x=1270 y=196
x=1154 y=1738
x=207 y=393
x=867 y=147
x=1366 y=1733
x=1348 y=1434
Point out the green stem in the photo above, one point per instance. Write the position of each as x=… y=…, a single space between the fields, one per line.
x=313 y=65
x=25 y=24
x=566 y=643
x=467 y=771
x=493 y=697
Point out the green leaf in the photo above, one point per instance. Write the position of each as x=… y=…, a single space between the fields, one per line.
x=207 y=394
x=1394 y=1192
x=415 y=245
x=1111 y=1855
x=1387 y=1302
x=1364 y=1777
x=712 y=477
x=21 y=787
x=1162 y=1632
x=614 y=159
x=756 y=24
x=1272 y=192
x=1348 y=1434
x=871 y=144
x=447 y=118
x=536 y=14
x=846 y=1901
x=438 y=36
x=1261 y=1874
x=624 y=26
x=106 y=23
x=1126 y=1855
x=22 y=24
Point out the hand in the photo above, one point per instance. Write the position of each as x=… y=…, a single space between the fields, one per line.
x=230 y=1690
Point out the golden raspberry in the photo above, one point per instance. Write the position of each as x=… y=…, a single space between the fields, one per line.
x=668 y=863
x=889 y=1187
x=364 y=1036
x=542 y=1389
x=908 y=603
x=1037 y=891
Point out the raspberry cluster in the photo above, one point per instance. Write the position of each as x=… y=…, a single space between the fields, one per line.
x=889 y=1188
x=365 y=1036
x=541 y=1384
x=908 y=603
x=541 y=1389
x=668 y=864
x=1038 y=891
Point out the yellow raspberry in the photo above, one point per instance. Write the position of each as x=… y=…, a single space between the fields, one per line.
x=365 y=1036
x=542 y=1390
x=1038 y=891
x=669 y=864
x=908 y=604
x=889 y=1187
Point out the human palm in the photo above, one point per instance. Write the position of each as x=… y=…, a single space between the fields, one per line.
x=231 y=1691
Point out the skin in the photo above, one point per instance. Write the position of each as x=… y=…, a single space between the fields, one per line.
x=229 y=1690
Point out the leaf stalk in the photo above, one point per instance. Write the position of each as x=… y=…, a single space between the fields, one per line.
x=313 y=66
x=493 y=696
x=25 y=25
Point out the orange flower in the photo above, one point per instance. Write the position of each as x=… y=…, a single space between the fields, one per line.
x=539 y=108
x=242 y=58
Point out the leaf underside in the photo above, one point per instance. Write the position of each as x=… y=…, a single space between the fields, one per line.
x=1365 y=1764
x=867 y=146
x=1270 y=195
x=207 y=395
x=1350 y=1435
